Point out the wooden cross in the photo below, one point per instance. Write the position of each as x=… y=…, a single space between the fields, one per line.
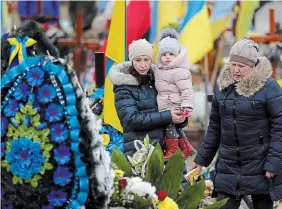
x=79 y=43
x=271 y=37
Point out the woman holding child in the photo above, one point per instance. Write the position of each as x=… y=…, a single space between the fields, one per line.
x=136 y=96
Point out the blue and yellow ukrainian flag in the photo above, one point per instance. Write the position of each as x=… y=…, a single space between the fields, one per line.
x=245 y=17
x=220 y=16
x=115 y=53
x=162 y=14
x=195 y=32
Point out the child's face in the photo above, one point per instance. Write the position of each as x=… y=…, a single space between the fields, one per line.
x=167 y=57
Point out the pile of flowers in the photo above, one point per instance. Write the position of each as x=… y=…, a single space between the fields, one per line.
x=134 y=192
x=160 y=185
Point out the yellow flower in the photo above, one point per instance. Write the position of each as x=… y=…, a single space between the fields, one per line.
x=168 y=203
x=106 y=139
x=118 y=173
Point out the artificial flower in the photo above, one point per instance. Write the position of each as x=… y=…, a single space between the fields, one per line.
x=59 y=132
x=4 y=125
x=122 y=182
x=161 y=195
x=118 y=173
x=62 y=154
x=168 y=203
x=54 y=113
x=137 y=186
x=62 y=176
x=21 y=91
x=116 y=141
x=98 y=93
x=25 y=157
x=35 y=77
x=11 y=108
x=46 y=93
x=57 y=197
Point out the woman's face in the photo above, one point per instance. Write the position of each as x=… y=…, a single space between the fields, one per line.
x=239 y=70
x=142 y=64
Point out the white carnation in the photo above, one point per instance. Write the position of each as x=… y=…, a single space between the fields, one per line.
x=137 y=186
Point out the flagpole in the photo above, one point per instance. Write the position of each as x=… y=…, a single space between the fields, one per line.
x=125 y=32
x=217 y=60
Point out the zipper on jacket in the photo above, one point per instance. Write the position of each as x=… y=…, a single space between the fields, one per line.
x=238 y=176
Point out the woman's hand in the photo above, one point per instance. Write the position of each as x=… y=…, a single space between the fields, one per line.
x=177 y=116
x=269 y=174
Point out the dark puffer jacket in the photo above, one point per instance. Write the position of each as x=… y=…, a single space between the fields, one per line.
x=136 y=105
x=246 y=129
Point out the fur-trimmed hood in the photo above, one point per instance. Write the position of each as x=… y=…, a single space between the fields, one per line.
x=252 y=83
x=119 y=75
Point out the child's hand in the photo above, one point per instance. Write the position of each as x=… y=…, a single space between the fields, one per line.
x=187 y=112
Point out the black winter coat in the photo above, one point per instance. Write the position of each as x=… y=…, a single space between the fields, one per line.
x=245 y=128
x=136 y=105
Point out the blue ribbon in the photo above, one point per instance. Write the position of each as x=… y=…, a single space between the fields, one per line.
x=81 y=171
x=64 y=79
x=71 y=99
x=68 y=88
x=56 y=69
x=74 y=124
x=71 y=110
x=78 y=163
x=74 y=135
x=75 y=205
x=75 y=147
x=5 y=80
x=47 y=67
x=82 y=196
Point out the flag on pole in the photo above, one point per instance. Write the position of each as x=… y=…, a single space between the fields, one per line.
x=115 y=52
x=245 y=17
x=160 y=18
x=195 y=32
x=220 y=16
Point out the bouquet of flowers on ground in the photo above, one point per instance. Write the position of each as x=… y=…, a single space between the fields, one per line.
x=159 y=187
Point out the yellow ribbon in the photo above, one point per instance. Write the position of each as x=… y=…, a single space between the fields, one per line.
x=19 y=48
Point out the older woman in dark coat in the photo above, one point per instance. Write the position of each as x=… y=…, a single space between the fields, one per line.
x=246 y=129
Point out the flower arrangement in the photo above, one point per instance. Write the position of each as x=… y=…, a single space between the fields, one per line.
x=39 y=128
x=160 y=187
x=132 y=191
x=111 y=136
x=27 y=158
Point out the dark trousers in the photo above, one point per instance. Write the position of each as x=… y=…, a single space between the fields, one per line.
x=262 y=201
x=173 y=132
